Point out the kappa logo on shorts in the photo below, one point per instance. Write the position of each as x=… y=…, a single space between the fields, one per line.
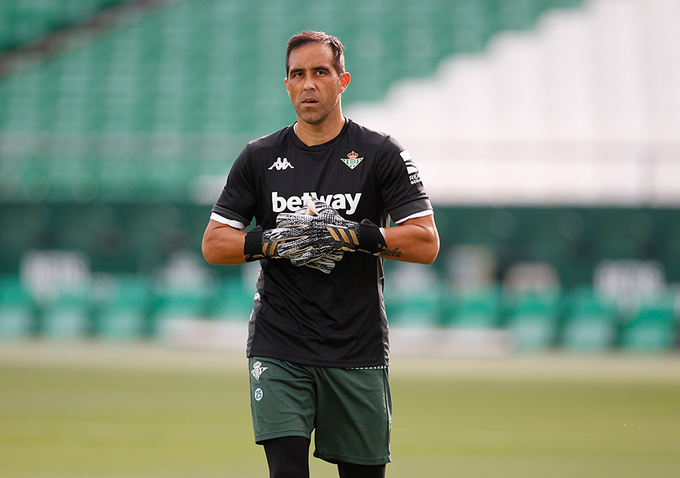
x=258 y=370
x=281 y=164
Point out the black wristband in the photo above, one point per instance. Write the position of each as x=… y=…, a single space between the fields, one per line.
x=252 y=247
x=371 y=239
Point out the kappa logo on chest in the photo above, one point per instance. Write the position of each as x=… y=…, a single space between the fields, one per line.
x=281 y=164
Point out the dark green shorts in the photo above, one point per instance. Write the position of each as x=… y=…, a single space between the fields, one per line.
x=349 y=410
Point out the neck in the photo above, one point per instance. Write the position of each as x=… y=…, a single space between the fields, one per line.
x=315 y=134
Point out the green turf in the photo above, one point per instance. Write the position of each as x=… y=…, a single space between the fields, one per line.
x=118 y=422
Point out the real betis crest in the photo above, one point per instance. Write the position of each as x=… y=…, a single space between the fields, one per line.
x=352 y=160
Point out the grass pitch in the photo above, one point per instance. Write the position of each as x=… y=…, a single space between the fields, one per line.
x=100 y=411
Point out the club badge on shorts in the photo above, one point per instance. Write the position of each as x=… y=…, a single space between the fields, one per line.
x=258 y=370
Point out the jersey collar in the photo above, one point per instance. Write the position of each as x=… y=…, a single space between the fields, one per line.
x=319 y=147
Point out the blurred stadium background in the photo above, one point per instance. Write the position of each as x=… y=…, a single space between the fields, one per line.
x=547 y=133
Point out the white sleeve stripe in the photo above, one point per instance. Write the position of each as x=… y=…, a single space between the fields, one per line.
x=425 y=213
x=229 y=222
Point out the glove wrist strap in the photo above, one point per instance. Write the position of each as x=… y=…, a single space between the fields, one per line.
x=252 y=247
x=371 y=239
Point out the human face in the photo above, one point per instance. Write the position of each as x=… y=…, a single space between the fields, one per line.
x=314 y=85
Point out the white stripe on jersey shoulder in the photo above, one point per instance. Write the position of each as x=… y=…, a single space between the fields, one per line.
x=229 y=222
x=425 y=213
x=405 y=155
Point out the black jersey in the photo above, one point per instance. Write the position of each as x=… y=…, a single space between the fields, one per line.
x=301 y=314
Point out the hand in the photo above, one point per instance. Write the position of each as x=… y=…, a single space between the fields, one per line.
x=261 y=243
x=315 y=222
x=326 y=263
x=317 y=214
x=323 y=230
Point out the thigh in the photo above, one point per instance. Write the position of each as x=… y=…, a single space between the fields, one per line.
x=354 y=416
x=282 y=399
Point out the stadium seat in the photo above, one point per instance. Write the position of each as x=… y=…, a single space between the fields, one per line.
x=413 y=296
x=16 y=309
x=476 y=309
x=533 y=320
x=591 y=325
x=178 y=304
x=234 y=300
x=69 y=316
x=652 y=328
x=417 y=310
x=123 y=312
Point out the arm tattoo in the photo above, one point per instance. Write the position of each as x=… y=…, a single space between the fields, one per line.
x=391 y=253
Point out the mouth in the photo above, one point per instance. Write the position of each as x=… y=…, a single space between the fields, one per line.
x=309 y=102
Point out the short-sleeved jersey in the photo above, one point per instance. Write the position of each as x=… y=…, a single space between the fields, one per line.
x=301 y=314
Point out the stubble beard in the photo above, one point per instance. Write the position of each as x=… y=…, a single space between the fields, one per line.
x=315 y=118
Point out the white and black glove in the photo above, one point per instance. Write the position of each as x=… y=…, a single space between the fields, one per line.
x=261 y=243
x=325 y=263
x=323 y=232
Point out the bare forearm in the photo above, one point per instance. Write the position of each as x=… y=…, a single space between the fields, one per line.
x=416 y=240
x=223 y=245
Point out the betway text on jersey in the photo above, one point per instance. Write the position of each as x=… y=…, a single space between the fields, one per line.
x=340 y=201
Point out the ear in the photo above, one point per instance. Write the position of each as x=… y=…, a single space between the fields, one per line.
x=285 y=80
x=344 y=81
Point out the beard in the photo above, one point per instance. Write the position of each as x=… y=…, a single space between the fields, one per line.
x=316 y=115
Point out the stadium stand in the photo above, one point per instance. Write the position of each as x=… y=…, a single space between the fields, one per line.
x=234 y=300
x=591 y=324
x=123 y=308
x=533 y=319
x=117 y=145
x=478 y=309
x=183 y=71
x=652 y=327
x=68 y=316
x=16 y=309
x=24 y=21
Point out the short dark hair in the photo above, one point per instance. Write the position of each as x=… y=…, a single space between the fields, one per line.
x=303 y=38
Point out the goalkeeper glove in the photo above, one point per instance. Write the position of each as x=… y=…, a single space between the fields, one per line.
x=325 y=263
x=261 y=243
x=326 y=231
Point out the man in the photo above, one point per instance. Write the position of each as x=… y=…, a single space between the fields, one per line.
x=321 y=191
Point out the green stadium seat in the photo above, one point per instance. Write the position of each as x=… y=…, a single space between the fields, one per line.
x=16 y=309
x=420 y=308
x=652 y=328
x=178 y=304
x=233 y=301
x=477 y=309
x=123 y=312
x=533 y=320
x=592 y=324
x=68 y=317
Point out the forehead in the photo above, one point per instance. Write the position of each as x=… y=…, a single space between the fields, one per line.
x=310 y=56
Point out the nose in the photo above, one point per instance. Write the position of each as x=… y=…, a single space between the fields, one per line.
x=309 y=82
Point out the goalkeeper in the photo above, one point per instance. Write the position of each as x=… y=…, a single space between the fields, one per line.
x=322 y=192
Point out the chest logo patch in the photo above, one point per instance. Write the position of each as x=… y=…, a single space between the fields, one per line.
x=352 y=160
x=281 y=164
